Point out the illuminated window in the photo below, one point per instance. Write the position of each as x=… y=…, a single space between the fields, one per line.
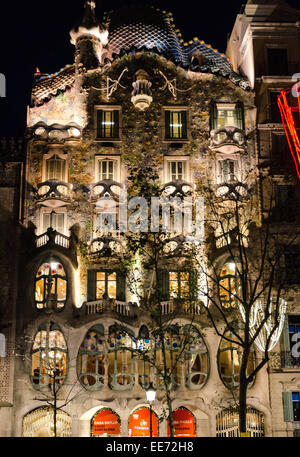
x=90 y=366
x=48 y=356
x=229 y=356
x=106 y=284
x=107 y=169
x=55 y=168
x=54 y=220
x=179 y=286
x=173 y=356
x=227 y=170
x=145 y=345
x=120 y=358
x=39 y=423
x=229 y=284
x=177 y=170
x=50 y=284
x=107 y=124
x=227 y=115
x=176 y=125
x=106 y=423
x=227 y=422
x=139 y=423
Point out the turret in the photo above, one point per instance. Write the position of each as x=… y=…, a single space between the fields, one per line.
x=89 y=38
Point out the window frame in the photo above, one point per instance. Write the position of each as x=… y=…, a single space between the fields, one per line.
x=227 y=106
x=47 y=157
x=92 y=284
x=47 y=210
x=101 y=158
x=164 y=127
x=56 y=277
x=170 y=159
x=108 y=108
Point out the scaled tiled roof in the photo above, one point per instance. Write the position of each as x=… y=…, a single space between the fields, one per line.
x=51 y=85
x=143 y=27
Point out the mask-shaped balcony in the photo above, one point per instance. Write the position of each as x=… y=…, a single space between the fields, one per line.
x=52 y=192
x=105 y=246
x=178 y=188
x=231 y=190
x=228 y=140
x=104 y=189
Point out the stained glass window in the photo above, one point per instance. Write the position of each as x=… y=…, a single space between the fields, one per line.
x=229 y=359
x=50 y=283
x=106 y=283
x=48 y=356
x=179 y=284
x=91 y=359
x=120 y=358
x=229 y=284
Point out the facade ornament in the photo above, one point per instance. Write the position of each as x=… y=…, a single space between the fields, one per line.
x=112 y=85
x=172 y=87
x=141 y=94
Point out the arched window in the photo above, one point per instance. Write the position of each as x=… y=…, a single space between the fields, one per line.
x=120 y=358
x=139 y=423
x=91 y=358
x=184 y=423
x=50 y=284
x=39 y=423
x=196 y=354
x=228 y=423
x=48 y=356
x=229 y=361
x=173 y=355
x=145 y=345
x=229 y=284
x=106 y=423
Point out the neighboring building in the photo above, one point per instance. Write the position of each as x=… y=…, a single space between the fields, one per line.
x=140 y=100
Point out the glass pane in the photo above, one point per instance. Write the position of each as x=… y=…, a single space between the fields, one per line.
x=39 y=290
x=61 y=289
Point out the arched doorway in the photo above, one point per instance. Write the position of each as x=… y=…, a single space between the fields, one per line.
x=139 y=423
x=40 y=423
x=228 y=423
x=105 y=423
x=184 y=423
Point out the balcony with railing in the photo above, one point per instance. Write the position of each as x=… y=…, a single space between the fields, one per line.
x=107 y=306
x=53 y=239
x=228 y=140
x=179 y=306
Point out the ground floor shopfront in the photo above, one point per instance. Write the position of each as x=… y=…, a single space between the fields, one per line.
x=103 y=421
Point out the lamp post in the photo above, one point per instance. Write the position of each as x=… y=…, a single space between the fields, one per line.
x=150 y=394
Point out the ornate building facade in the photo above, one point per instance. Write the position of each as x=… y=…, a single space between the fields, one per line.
x=140 y=106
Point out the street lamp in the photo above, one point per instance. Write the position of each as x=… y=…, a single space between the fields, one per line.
x=150 y=394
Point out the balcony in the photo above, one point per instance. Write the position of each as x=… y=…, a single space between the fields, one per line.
x=105 y=246
x=54 y=193
x=178 y=188
x=180 y=307
x=53 y=239
x=228 y=140
x=111 y=305
x=107 y=188
x=141 y=96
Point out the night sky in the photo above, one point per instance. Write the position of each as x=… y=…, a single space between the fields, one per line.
x=36 y=34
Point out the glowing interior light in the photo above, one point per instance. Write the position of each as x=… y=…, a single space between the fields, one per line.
x=53 y=265
x=232 y=266
x=289 y=105
x=108 y=123
x=176 y=125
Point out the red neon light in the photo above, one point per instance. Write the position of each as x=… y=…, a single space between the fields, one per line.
x=289 y=105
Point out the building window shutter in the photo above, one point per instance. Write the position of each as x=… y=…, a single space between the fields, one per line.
x=121 y=286
x=91 y=286
x=287 y=406
x=167 y=125
x=193 y=285
x=116 y=124
x=163 y=285
x=184 y=124
x=213 y=116
x=99 y=124
x=239 y=113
